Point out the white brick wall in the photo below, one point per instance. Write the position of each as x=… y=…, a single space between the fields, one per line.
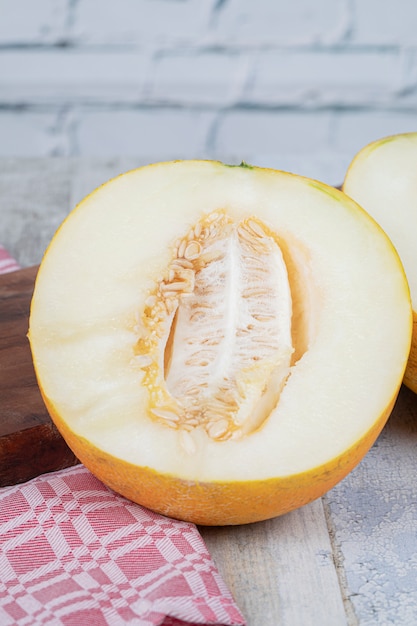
x=300 y=85
x=28 y=23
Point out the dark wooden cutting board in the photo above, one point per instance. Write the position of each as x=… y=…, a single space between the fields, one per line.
x=30 y=444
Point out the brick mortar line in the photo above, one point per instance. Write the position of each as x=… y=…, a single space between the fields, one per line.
x=188 y=48
x=296 y=108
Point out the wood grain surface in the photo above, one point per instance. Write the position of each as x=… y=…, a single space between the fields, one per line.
x=29 y=442
x=348 y=559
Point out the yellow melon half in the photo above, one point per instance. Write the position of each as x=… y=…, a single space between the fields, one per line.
x=219 y=344
x=382 y=178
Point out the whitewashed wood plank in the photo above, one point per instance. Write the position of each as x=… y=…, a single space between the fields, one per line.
x=281 y=571
x=374 y=517
x=34 y=199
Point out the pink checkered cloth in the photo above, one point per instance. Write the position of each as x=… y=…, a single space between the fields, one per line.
x=74 y=553
x=7 y=263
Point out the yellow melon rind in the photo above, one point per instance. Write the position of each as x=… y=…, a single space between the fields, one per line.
x=221 y=502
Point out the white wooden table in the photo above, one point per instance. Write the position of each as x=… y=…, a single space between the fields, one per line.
x=348 y=558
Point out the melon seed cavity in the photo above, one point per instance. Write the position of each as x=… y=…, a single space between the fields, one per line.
x=216 y=341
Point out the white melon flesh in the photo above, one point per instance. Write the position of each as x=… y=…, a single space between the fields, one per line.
x=382 y=178
x=308 y=321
